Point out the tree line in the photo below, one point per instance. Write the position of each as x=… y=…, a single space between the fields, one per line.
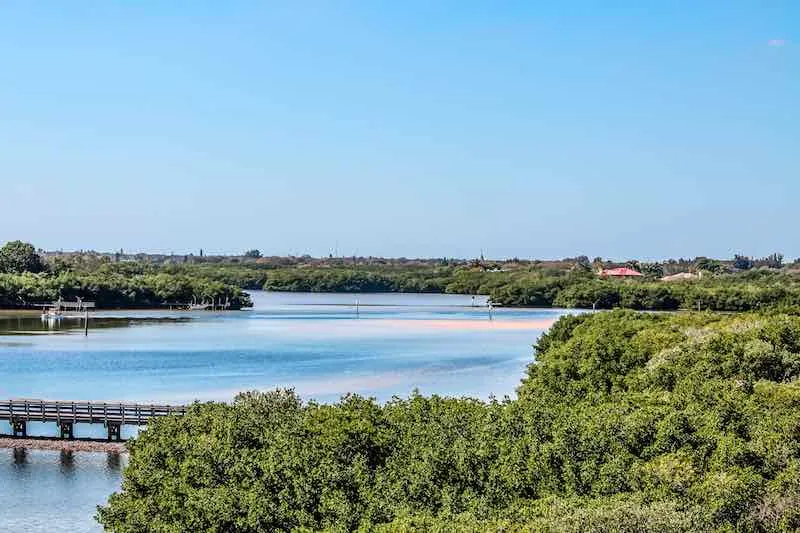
x=114 y=290
x=25 y=279
x=738 y=285
x=575 y=288
x=721 y=293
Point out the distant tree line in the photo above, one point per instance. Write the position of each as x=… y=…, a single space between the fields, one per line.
x=575 y=288
x=720 y=293
x=742 y=283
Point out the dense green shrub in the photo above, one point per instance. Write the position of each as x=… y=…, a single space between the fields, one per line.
x=625 y=422
x=115 y=290
x=17 y=257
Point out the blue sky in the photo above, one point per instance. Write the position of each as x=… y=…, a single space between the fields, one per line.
x=646 y=129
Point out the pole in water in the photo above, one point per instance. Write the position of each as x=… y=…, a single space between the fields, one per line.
x=490 y=310
x=86 y=323
x=356 y=308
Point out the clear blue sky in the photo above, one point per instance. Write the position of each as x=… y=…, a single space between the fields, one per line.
x=646 y=129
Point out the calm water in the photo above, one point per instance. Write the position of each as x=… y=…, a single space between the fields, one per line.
x=317 y=343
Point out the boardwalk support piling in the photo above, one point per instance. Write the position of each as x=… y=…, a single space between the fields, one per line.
x=114 y=431
x=19 y=427
x=66 y=430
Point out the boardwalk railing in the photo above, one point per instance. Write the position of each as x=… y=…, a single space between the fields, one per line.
x=66 y=414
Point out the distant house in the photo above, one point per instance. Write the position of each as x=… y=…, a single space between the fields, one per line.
x=681 y=276
x=623 y=272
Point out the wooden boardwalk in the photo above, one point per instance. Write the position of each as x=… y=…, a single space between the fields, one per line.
x=112 y=415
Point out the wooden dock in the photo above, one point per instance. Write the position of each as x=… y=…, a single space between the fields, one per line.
x=66 y=414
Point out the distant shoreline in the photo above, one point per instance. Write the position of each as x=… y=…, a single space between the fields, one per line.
x=38 y=311
x=54 y=444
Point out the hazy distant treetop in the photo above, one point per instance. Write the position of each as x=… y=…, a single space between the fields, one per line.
x=253 y=253
x=633 y=264
x=742 y=262
x=709 y=265
x=652 y=270
x=17 y=257
x=771 y=261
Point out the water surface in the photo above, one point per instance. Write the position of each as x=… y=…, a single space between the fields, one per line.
x=323 y=345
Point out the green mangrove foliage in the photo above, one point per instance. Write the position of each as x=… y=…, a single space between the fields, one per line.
x=625 y=422
x=721 y=293
x=25 y=279
x=250 y=277
x=359 y=280
x=17 y=257
x=115 y=290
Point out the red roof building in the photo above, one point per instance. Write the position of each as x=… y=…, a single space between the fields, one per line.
x=623 y=272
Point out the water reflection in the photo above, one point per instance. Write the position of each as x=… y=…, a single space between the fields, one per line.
x=55 y=491
x=27 y=323
x=20 y=456
x=114 y=461
x=67 y=461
